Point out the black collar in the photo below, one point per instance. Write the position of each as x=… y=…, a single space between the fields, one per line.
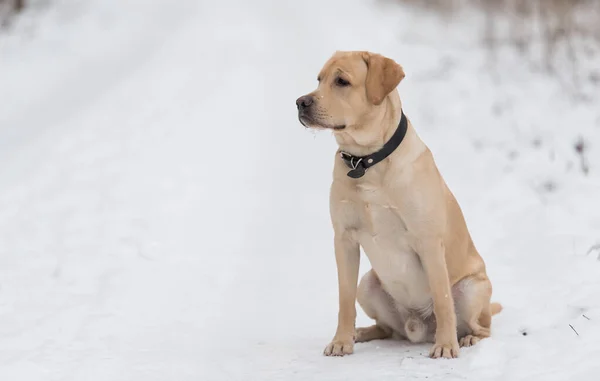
x=359 y=164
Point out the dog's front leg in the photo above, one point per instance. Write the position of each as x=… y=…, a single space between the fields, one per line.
x=432 y=254
x=347 y=257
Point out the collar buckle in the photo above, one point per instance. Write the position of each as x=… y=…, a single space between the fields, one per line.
x=356 y=165
x=354 y=161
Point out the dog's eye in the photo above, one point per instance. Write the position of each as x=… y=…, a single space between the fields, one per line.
x=341 y=82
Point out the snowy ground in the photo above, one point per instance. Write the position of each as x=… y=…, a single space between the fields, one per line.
x=163 y=215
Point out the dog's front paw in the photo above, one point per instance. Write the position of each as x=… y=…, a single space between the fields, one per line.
x=445 y=350
x=340 y=347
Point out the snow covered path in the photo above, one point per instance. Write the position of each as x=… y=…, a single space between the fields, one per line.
x=163 y=215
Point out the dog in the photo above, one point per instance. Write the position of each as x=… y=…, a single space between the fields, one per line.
x=428 y=282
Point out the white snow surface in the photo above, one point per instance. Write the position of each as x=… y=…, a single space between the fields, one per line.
x=164 y=216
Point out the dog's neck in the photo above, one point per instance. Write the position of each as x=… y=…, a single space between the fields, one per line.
x=366 y=139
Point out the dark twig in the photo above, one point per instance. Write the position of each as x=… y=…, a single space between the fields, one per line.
x=586 y=317
x=580 y=149
x=595 y=247
x=573 y=329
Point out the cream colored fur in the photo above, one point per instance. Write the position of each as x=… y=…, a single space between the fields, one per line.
x=428 y=282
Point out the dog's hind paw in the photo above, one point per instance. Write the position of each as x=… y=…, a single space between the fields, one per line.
x=469 y=340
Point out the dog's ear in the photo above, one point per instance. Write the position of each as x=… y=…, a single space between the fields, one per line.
x=383 y=75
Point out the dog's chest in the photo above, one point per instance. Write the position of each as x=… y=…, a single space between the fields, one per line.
x=386 y=242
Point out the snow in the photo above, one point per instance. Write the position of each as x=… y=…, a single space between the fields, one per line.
x=164 y=216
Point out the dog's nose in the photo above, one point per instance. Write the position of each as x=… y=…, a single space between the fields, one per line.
x=304 y=101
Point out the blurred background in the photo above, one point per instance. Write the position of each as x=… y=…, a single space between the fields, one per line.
x=164 y=215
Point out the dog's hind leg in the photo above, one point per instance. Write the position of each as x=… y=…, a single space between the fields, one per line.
x=474 y=309
x=374 y=332
x=379 y=306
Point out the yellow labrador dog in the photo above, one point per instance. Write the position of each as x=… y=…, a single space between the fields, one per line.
x=428 y=283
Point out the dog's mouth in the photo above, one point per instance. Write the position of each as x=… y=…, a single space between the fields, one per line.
x=309 y=122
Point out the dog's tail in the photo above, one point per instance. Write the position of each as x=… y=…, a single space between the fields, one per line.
x=495 y=308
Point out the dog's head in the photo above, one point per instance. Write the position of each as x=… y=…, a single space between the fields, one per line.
x=352 y=88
